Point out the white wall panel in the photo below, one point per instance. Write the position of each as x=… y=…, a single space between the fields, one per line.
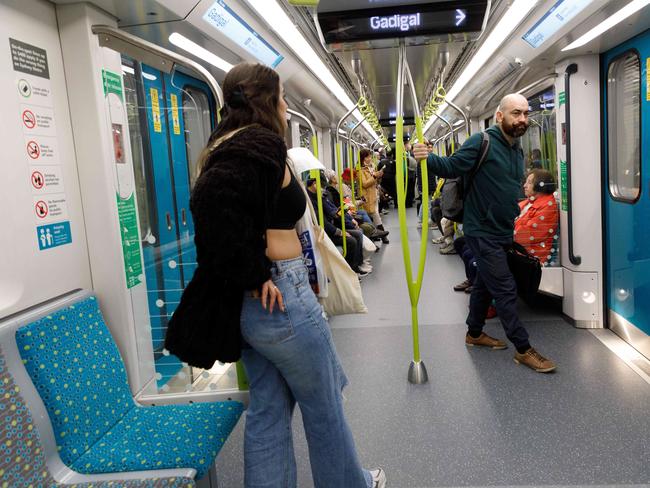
x=35 y=115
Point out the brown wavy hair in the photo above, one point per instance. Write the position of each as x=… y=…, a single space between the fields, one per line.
x=251 y=93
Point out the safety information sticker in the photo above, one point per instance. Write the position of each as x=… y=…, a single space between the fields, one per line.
x=41 y=149
x=130 y=240
x=44 y=173
x=53 y=235
x=37 y=120
x=112 y=83
x=155 y=110
x=46 y=180
x=50 y=208
x=175 y=121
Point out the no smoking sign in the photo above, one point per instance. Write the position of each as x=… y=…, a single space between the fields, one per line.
x=29 y=119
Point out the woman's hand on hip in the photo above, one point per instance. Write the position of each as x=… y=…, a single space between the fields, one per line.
x=271 y=293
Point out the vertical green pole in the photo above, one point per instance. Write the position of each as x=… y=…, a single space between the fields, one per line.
x=339 y=157
x=352 y=169
x=316 y=175
x=401 y=211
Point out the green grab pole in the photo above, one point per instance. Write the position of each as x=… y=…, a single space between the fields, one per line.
x=339 y=157
x=357 y=171
x=316 y=175
x=424 y=174
x=351 y=166
x=401 y=210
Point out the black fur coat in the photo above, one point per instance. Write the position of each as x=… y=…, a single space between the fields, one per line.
x=231 y=203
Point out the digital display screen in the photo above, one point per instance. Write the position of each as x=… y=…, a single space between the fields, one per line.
x=558 y=15
x=222 y=18
x=403 y=21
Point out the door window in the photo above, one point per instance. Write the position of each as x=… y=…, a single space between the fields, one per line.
x=624 y=126
x=196 y=115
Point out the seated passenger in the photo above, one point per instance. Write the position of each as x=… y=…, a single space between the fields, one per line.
x=359 y=214
x=353 y=236
x=537 y=224
x=535 y=161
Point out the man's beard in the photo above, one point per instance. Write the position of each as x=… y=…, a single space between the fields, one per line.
x=516 y=130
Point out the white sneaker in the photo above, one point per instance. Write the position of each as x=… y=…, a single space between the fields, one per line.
x=378 y=478
x=367 y=261
x=365 y=268
x=419 y=225
x=438 y=240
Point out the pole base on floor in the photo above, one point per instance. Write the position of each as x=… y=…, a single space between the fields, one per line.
x=418 y=373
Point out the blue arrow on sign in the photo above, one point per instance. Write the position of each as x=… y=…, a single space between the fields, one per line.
x=460 y=16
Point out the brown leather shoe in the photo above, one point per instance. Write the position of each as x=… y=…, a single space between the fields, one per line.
x=484 y=340
x=535 y=360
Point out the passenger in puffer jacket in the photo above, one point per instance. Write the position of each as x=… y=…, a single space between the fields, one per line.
x=536 y=227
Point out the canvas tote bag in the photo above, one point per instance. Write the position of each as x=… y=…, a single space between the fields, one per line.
x=343 y=288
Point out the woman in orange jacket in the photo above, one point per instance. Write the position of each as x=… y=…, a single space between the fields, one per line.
x=537 y=224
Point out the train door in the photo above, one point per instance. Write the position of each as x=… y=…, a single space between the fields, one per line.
x=170 y=121
x=626 y=154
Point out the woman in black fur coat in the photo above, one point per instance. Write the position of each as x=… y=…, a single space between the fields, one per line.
x=250 y=294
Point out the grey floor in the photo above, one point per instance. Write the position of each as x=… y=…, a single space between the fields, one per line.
x=481 y=420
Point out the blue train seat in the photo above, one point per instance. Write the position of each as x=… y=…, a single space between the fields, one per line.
x=22 y=454
x=79 y=374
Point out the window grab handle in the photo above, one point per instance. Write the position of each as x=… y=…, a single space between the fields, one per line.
x=169 y=220
x=183 y=217
x=570 y=70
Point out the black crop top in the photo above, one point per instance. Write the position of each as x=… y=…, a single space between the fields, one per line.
x=291 y=206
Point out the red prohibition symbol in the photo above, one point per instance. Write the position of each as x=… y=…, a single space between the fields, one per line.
x=33 y=149
x=29 y=119
x=38 y=181
x=41 y=209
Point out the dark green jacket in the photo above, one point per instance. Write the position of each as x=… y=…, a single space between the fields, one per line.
x=490 y=207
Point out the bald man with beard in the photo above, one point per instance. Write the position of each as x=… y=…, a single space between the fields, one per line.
x=490 y=209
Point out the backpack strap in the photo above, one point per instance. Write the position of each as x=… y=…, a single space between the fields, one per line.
x=483 y=152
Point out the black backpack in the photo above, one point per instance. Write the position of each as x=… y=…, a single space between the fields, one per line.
x=454 y=190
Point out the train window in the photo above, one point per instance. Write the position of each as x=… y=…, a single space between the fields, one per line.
x=487 y=123
x=196 y=118
x=624 y=126
x=137 y=151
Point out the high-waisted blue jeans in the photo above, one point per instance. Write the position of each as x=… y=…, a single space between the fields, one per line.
x=292 y=359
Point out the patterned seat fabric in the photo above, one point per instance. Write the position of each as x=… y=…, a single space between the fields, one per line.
x=22 y=461
x=78 y=372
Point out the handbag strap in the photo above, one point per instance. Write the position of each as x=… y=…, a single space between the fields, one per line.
x=227 y=136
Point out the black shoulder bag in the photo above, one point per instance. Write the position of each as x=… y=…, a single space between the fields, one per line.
x=525 y=268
